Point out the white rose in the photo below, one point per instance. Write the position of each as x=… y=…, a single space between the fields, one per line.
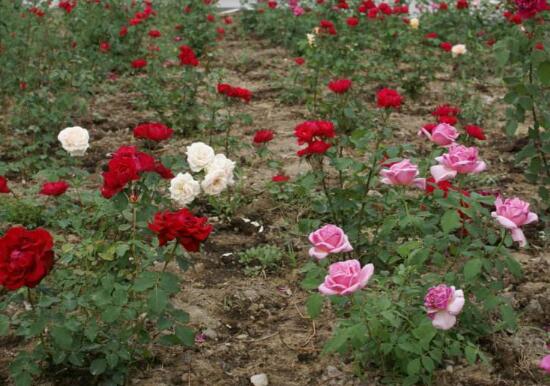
x=199 y=156
x=310 y=39
x=214 y=182
x=74 y=140
x=414 y=23
x=184 y=189
x=221 y=162
x=458 y=49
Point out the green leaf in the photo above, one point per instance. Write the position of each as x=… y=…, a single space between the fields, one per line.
x=98 y=366
x=62 y=337
x=472 y=268
x=158 y=300
x=186 y=335
x=314 y=305
x=4 y=325
x=544 y=72
x=513 y=266
x=145 y=281
x=508 y=316
x=413 y=367
x=471 y=354
x=450 y=221
x=428 y=363
x=169 y=282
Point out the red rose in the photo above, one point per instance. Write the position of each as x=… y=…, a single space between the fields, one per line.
x=299 y=61
x=4 y=185
x=431 y=35
x=272 y=4
x=67 y=5
x=475 y=132
x=372 y=13
x=327 y=27
x=154 y=131
x=262 y=136
x=25 y=257
x=446 y=110
x=461 y=4
x=211 y=18
x=446 y=46
x=450 y=120
x=529 y=8
x=339 y=86
x=388 y=98
x=139 y=63
x=539 y=46
x=280 y=178
x=104 y=47
x=315 y=147
x=228 y=20
x=443 y=6
x=187 y=57
x=431 y=186
x=234 y=92
x=154 y=33
x=190 y=231
x=429 y=127
x=23 y=85
x=352 y=21
x=54 y=188
x=314 y=134
x=123 y=31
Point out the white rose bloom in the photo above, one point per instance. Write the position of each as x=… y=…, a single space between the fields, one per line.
x=221 y=162
x=310 y=39
x=414 y=23
x=199 y=156
x=74 y=140
x=184 y=189
x=214 y=182
x=458 y=49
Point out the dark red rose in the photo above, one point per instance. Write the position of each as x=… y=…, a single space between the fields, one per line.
x=211 y=18
x=475 y=132
x=235 y=92
x=139 y=63
x=446 y=110
x=450 y=120
x=104 y=47
x=280 y=178
x=431 y=186
x=153 y=131
x=315 y=147
x=339 y=86
x=272 y=4
x=228 y=20
x=123 y=31
x=54 y=188
x=352 y=21
x=529 y=8
x=25 y=257
x=431 y=35
x=327 y=27
x=187 y=56
x=462 y=4
x=443 y=6
x=67 y=5
x=23 y=85
x=4 y=185
x=387 y=98
x=262 y=136
x=190 y=231
x=446 y=46
x=384 y=8
x=154 y=33
x=299 y=61
x=539 y=46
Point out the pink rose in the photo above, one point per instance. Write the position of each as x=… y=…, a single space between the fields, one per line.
x=443 y=134
x=402 y=173
x=545 y=364
x=512 y=213
x=443 y=303
x=459 y=159
x=329 y=239
x=298 y=11
x=346 y=277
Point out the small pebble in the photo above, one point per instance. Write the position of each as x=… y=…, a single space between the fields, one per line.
x=259 y=380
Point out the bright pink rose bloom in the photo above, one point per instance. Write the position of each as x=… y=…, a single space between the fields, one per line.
x=328 y=239
x=443 y=134
x=459 y=159
x=298 y=11
x=545 y=364
x=443 y=304
x=346 y=277
x=512 y=213
x=402 y=173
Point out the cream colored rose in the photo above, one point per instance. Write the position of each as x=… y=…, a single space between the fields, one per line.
x=221 y=162
x=458 y=49
x=184 y=189
x=214 y=182
x=74 y=140
x=199 y=156
x=414 y=23
x=310 y=39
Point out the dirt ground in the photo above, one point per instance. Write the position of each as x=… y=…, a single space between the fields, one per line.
x=258 y=324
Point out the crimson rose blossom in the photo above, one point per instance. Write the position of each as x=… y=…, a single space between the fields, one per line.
x=235 y=92
x=187 y=57
x=280 y=178
x=314 y=134
x=139 y=63
x=462 y=4
x=299 y=61
x=4 y=185
x=475 y=132
x=529 y=8
x=154 y=131
x=388 y=98
x=154 y=33
x=104 y=47
x=352 y=21
x=446 y=46
x=339 y=86
x=190 y=231
x=262 y=136
x=25 y=257
x=54 y=188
